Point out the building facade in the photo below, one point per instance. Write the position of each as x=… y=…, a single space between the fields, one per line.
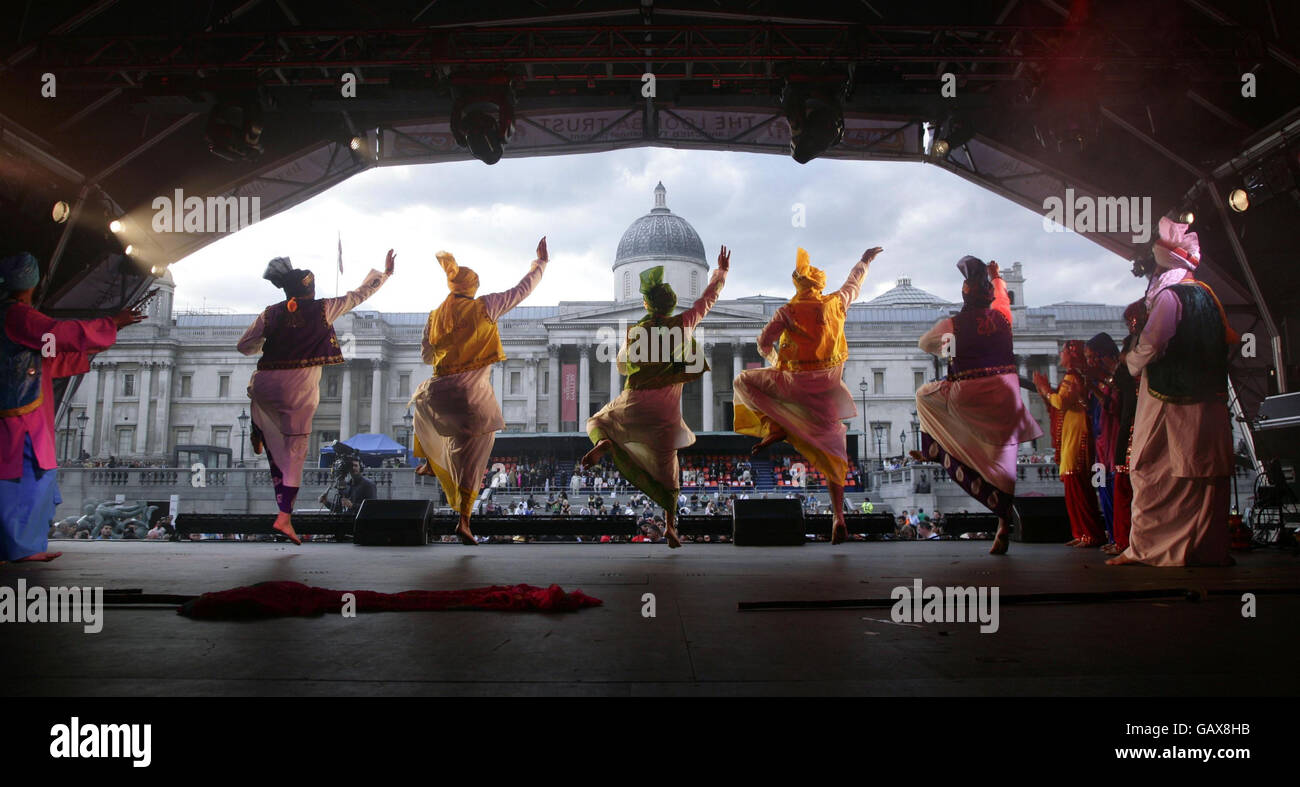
x=176 y=379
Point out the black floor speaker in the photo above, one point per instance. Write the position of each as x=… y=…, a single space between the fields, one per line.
x=393 y=523
x=1043 y=520
x=767 y=523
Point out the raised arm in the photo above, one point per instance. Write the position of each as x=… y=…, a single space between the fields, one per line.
x=853 y=284
x=932 y=341
x=337 y=307
x=496 y=304
x=692 y=316
x=1001 y=301
x=253 y=339
x=74 y=340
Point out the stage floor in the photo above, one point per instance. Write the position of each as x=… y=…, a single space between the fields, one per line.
x=697 y=644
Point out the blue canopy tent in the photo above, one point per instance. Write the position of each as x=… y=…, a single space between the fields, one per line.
x=374 y=449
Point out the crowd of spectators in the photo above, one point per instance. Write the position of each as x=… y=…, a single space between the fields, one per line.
x=163 y=530
x=517 y=472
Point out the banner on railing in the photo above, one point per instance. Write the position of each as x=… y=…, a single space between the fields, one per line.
x=569 y=392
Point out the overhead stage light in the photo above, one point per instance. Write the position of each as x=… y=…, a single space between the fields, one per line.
x=1186 y=216
x=61 y=212
x=234 y=130
x=1238 y=200
x=356 y=143
x=940 y=148
x=115 y=225
x=813 y=106
x=129 y=250
x=483 y=117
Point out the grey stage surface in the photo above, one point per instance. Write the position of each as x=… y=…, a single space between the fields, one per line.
x=698 y=644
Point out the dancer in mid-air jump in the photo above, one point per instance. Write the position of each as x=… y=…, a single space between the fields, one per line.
x=642 y=429
x=973 y=422
x=296 y=338
x=456 y=411
x=802 y=397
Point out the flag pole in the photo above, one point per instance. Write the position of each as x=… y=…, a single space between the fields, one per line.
x=338 y=269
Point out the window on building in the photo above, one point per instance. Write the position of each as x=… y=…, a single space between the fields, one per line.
x=182 y=435
x=367 y=385
x=128 y=385
x=515 y=427
x=878 y=382
x=514 y=383
x=627 y=285
x=695 y=284
x=918 y=380
x=187 y=385
x=223 y=386
x=1011 y=296
x=546 y=379
x=125 y=439
x=404 y=385
x=221 y=436
x=332 y=385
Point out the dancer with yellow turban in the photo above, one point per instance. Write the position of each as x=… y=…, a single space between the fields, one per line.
x=295 y=338
x=643 y=428
x=802 y=397
x=456 y=411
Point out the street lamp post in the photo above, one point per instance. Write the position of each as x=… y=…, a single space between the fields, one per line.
x=863 y=386
x=916 y=432
x=408 y=421
x=81 y=433
x=879 y=430
x=902 y=446
x=243 y=434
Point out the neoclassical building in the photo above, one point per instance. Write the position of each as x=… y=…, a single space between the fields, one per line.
x=176 y=379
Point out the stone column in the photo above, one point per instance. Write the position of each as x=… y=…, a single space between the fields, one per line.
x=142 y=409
x=162 y=415
x=706 y=392
x=91 y=389
x=584 y=385
x=1052 y=373
x=345 y=404
x=737 y=361
x=530 y=385
x=376 y=398
x=498 y=378
x=106 y=421
x=615 y=379
x=553 y=385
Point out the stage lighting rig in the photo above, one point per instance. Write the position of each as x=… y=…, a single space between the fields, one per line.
x=951 y=134
x=814 y=107
x=483 y=115
x=234 y=130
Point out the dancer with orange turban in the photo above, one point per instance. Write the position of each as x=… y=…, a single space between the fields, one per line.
x=1068 y=405
x=801 y=397
x=295 y=338
x=456 y=411
x=643 y=428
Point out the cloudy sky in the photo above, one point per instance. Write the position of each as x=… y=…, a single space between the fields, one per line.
x=492 y=217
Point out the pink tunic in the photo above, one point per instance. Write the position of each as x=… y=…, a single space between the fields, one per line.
x=74 y=342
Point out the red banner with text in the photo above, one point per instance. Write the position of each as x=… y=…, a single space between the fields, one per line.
x=569 y=392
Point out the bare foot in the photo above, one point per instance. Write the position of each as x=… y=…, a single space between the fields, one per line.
x=39 y=557
x=839 y=532
x=1001 y=541
x=466 y=535
x=1085 y=543
x=670 y=535
x=1074 y=542
x=1111 y=549
x=285 y=527
x=774 y=436
x=594 y=455
x=1122 y=559
x=424 y=469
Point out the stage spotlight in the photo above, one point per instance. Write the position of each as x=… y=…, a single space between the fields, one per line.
x=157 y=269
x=1186 y=216
x=115 y=225
x=940 y=148
x=61 y=212
x=234 y=130
x=1238 y=200
x=483 y=119
x=129 y=250
x=356 y=143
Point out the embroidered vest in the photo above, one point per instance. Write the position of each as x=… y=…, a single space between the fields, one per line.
x=298 y=339
x=20 y=372
x=472 y=342
x=816 y=338
x=659 y=356
x=1194 y=367
x=983 y=344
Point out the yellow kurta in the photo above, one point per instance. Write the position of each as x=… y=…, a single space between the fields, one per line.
x=1069 y=398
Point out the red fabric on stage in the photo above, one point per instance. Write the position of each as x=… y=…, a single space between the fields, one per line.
x=290 y=599
x=1123 y=509
x=1081 y=503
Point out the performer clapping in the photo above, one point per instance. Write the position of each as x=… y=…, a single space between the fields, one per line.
x=456 y=411
x=973 y=422
x=296 y=338
x=34 y=351
x=802 y=397
x=643 y=428
x=1068 y=405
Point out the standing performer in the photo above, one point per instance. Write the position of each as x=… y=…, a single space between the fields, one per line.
x=34 y=351
x=296 y=338
x=1182 y=436
x=802 y=397
x=1100 y=359
x=973 y=422
x=1069 y=411
x=456 y=411
x=643 y=427
x=1126 y=389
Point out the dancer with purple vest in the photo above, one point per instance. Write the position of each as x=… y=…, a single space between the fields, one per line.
x=973 y=422
x=296 y=338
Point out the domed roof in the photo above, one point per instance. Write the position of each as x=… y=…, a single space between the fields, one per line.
x=904 y=294
x=660 y=234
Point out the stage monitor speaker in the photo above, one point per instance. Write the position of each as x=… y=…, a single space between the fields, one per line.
x=767 y=523
x=393 y=523
x=1043 y=520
